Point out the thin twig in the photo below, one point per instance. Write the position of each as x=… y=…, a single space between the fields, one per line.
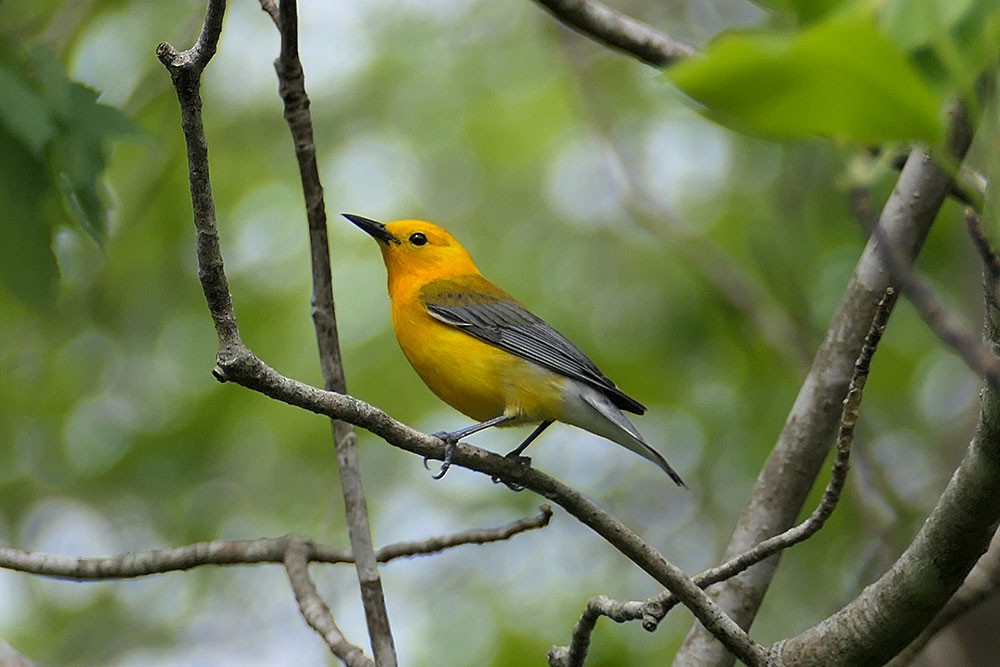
x=983 y=582
x=903 y=603
x=249 y=371
x=270 y=8
x=991 y=260
x=653 y=610
x=291 y=85
x=314 y=610
x=597 y=606
x=235 y=362
x=474 y=536
x=243 y=552
x=790 y=471
x=619 y=31
x=929 y=306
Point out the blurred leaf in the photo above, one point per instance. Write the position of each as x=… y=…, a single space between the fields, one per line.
x=23 y=113
x=951 y=41
x=805 y=11
x=27 y=265
x=822 y=81
x=62 y=123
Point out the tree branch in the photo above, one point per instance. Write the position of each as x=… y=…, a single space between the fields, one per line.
x=951 y=541
x=235 y=362
x=792 y=467
x=619 y=31
x=655 y=609
x=293 y=93
x=312 y=607
x=243 y=552
x=981 y=585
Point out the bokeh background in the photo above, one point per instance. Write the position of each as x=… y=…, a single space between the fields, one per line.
x=697 y=267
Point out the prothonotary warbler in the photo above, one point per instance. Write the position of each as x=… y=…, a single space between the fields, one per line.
x=484 y=353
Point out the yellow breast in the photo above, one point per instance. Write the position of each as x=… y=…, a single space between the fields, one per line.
x=476 y=378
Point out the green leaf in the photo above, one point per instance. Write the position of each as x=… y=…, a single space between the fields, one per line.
x=805 y=11
x=841 y=78
x=28 y=266
x=25 y=114
x=951 y=41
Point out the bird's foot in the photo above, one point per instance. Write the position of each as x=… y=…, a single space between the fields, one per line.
x=450 y=445
x=524 y=461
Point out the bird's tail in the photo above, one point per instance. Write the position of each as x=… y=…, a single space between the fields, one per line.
x=593 y=411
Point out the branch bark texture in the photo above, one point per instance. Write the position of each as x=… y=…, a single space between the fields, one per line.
x=805 y=440
x=956 y=534
x=293 y=93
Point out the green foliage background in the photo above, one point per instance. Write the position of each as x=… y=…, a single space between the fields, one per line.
x=697 y=266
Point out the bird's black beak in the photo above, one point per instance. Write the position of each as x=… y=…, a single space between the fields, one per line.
x=374 y=229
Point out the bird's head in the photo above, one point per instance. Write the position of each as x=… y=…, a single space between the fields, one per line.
x=417 y=250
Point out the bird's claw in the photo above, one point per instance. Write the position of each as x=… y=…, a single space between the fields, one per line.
x=450 y=445
x=522 y=460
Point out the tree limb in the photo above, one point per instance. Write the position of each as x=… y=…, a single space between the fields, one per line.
x=792 y=467
x=235 y=362
x=312 y=607
x=655 y=609
x=619 y=31
x=244 y=552
x=981 y=585
x=292 y=89
x=951 y=541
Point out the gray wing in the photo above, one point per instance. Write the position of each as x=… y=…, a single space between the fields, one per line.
x=506 y=324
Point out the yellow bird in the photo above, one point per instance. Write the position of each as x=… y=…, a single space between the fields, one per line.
x=485 y=354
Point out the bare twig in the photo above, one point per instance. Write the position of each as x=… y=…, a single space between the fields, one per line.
x=243 y=552
x=950 y=543
x=655 y=609
x=796 y=459
x=270 y=8
x=293 y=94
x=249 y=371
x=235 y=362
x=930 y=307
x=314 y=610
x=475 y=536
x=619 y=31
x=597 y=606
x=991 y=261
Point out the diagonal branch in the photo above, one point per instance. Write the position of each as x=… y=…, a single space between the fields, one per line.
x=655 y=609
x=951 y=540
x=247 y=370
x=314 y=610
x=619 y=31
x=981 y=585
x=791 y=469
x=293 y=93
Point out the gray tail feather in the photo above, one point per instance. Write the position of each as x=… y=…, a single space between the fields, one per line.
x=628 y=435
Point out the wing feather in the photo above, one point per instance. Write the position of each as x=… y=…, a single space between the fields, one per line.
x=493 y=316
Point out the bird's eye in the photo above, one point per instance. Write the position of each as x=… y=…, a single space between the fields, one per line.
x=416 y=238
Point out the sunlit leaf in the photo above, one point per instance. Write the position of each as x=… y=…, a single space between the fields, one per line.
x=841 y=79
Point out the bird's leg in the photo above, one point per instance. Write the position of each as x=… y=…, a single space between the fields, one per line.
x=516 y=454
x=451 y=440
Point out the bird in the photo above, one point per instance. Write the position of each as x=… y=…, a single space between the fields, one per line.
x=480 y=351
